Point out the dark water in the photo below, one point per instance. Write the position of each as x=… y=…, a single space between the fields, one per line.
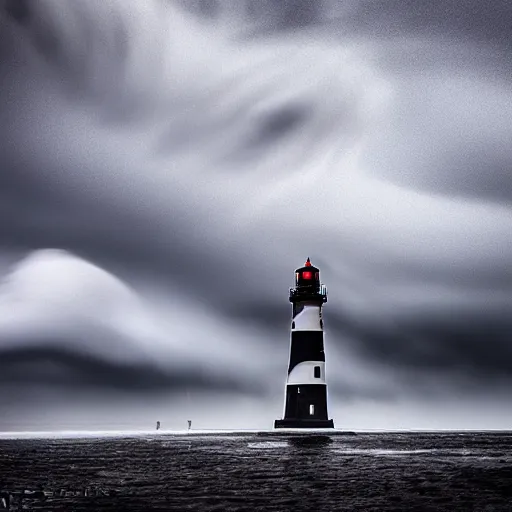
x=253 y=472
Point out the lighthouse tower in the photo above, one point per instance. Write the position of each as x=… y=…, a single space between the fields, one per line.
x=306 y=388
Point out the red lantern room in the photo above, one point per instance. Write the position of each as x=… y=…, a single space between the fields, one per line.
x=307 y=283
x=307 y=275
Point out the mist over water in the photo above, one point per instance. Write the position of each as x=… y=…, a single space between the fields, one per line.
x=166 y=166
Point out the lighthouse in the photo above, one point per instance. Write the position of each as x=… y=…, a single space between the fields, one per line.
x=306 y=387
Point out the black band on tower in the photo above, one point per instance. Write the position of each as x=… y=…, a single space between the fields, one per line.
x=306 y=346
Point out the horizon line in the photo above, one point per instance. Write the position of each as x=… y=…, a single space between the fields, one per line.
x=63 y=434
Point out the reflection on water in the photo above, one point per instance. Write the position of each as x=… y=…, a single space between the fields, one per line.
x=308 y=441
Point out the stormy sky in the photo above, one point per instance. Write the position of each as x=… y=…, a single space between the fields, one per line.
x=166 y=165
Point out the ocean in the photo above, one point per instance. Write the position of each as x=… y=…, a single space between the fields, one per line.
x=265 y=471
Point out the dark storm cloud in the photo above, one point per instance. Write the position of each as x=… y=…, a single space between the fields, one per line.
x=449 y=65
x=296 y=13
x=19 y=10
x=277 y=14
x=348 y=392
x=37 y=213
x=77 y=69
x=276 y=125
x=72 y=177
x=64 y=368
x=270 y=315
x=459 y=348
x=467 y=108
x=471 y=20
x=442 y=49
x=40 y=209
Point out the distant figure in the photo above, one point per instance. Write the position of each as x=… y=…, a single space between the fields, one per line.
x=158 y=425
x=189 y=424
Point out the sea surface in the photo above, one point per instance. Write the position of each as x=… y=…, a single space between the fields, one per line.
x=466 y=471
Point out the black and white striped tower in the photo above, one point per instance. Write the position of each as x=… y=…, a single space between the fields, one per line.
x=306 y=387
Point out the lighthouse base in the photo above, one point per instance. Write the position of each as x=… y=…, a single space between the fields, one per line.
x=298 y=423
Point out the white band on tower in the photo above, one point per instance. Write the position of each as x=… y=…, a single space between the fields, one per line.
x=309 y=319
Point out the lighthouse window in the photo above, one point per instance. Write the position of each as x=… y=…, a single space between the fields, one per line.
x=307 y=275
x=317 y=372
x=311 y=410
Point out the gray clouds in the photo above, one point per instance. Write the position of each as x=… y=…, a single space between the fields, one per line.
x=201 y=167
x=69 y=369
x=61 y=309
x=469 y=22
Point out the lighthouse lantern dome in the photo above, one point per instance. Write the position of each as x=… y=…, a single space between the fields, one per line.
x=307 y=276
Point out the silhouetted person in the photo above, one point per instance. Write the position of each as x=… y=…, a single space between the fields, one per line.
x=158 y=425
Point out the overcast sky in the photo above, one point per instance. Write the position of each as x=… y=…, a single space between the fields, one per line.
x=164 y=169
